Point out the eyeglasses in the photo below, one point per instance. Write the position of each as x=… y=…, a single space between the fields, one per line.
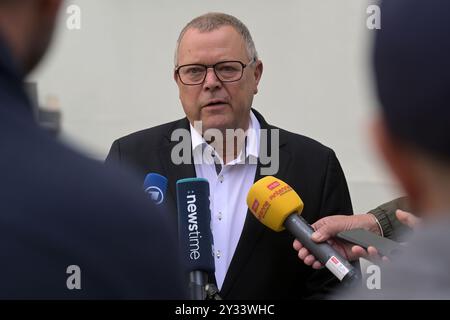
x=225 y=71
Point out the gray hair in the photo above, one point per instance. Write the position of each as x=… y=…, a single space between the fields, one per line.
x=213 y=21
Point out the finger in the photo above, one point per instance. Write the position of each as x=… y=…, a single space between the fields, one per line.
x=374 y=255
x=322 y=229
x=317 y=265
x=319 y=236
x=373 y=252
x=329 y=227
x=407 y=218
x=309 y=260
x=303 y=253
x=360 y=252
x=297 y=245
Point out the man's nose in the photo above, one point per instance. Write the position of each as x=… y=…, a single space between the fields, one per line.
x=211 y=80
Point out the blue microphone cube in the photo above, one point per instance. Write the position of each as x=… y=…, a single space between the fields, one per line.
x=155 y=185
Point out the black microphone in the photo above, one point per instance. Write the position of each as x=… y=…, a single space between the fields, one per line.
x=278 y=206
x=194 y=231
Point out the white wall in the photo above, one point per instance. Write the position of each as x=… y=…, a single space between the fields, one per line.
x=114 y=76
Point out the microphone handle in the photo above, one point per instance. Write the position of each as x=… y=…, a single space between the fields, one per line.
x=197 y=283
x=323 y=252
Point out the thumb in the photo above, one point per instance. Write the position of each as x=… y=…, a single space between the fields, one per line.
x=407 y=218
x=318 y=236
x=326 y=228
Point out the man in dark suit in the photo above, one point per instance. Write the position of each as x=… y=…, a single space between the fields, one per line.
x=217 y=72
x=69 y=229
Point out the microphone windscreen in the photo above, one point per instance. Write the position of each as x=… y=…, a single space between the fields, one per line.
x=272 y=200
x=155 y=185
x=194 y=224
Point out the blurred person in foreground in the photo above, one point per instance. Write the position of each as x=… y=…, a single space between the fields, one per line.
x=69 y=229
x=412 y=70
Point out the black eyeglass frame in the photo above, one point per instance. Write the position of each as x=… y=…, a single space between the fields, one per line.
x=213 y=66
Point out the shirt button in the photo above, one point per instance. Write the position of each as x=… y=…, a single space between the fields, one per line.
x=221 y=178
x=218 y=254
x=219 y=216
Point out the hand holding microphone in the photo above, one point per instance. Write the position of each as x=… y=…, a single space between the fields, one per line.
x=278 y=206
x=327 y=229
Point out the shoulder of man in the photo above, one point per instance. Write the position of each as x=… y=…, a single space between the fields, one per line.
x=304 y=143
x=153 y=134
x=295 y=141
x=139 y=151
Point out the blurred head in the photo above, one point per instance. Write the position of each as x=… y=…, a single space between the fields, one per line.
x=208 y=40
x=412 y=69
x=27 y=27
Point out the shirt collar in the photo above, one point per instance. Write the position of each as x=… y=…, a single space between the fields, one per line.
x=252 y=139
x=253 y=136
x=196 y=138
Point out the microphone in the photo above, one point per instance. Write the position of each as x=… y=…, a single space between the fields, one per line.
x=194 y=232
x=155 y=185
x=278 y=206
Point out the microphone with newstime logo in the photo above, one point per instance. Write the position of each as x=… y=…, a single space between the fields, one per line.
x=155 y=185
x=194 y=233
x=278 y=206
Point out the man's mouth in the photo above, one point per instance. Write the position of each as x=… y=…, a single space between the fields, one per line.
x=217 y=102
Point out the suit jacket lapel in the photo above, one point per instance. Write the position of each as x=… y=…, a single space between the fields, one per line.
x=253 y=229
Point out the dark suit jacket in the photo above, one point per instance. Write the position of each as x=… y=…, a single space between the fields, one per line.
x=58 y=209
x=264 y=266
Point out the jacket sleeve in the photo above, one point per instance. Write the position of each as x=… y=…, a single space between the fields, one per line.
x=385 y=214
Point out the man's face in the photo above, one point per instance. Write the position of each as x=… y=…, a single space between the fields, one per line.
x=218 y=105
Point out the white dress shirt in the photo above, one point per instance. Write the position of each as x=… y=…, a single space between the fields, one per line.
x=228 y=192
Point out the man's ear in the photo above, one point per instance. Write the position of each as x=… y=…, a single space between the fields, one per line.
x=400 y=158
x=258 y=74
